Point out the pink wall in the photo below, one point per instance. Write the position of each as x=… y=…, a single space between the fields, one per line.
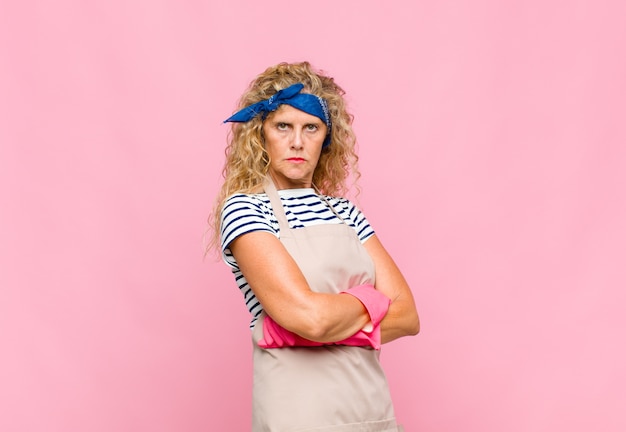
x=503 y=122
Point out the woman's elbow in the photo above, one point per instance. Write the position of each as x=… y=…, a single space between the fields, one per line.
x=414 y=325
x=411 y=323
x=408 y=320
x=312 y=332
x=311 y=326
x=320 y=328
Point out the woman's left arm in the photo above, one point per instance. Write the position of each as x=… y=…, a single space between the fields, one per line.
x=402 y=318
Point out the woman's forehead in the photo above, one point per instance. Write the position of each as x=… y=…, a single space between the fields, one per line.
x=288 y=113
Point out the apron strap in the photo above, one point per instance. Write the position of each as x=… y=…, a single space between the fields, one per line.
x=277 y=206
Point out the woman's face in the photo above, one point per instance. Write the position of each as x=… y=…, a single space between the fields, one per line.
x=293 y=140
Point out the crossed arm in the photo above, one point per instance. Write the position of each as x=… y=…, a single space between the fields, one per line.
x=282 y=290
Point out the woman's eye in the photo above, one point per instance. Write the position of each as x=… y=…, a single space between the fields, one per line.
x=312 y=127
x=281 y=126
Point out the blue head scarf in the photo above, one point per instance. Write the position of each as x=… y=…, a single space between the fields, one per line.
x=291 y=95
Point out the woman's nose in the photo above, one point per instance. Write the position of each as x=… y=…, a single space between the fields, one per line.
x=296 y=141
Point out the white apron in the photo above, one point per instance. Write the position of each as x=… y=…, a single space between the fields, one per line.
x=329 y=388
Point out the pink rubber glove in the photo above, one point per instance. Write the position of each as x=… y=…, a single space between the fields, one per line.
x=275 y=336
x=363 y=338
x=376 y=303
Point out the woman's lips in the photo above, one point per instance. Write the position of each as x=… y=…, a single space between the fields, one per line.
x=295 y=159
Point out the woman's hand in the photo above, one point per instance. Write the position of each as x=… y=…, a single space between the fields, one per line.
x=402 y=318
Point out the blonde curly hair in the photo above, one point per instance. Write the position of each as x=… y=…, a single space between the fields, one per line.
x=247 y=161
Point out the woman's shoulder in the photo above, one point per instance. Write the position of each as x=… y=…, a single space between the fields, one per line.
x=246 y=208
x=350 y=211
x=339 y=202
x=245 y=197
x=244 y=213
x=242 y=201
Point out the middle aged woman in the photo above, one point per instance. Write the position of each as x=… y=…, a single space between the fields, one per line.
x=323 y=292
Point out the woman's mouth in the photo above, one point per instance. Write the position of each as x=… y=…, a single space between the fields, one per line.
x=295 y=159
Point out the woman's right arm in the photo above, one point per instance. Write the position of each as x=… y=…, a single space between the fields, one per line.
x=285 y=295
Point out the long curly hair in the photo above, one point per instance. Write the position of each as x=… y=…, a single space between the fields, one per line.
x=247 y=161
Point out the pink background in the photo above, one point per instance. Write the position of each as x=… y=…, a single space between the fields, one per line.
x=502 y=124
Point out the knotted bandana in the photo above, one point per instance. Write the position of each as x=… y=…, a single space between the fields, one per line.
x=291 y=95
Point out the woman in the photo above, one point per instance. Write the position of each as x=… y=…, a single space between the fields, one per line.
x=323 y=292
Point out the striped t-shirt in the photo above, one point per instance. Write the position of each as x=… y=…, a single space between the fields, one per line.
x=244 y=213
